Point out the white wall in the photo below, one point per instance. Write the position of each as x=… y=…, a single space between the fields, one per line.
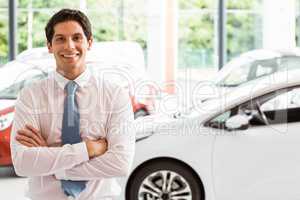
x=279 y=24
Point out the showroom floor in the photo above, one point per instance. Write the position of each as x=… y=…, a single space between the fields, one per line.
x=11 y=187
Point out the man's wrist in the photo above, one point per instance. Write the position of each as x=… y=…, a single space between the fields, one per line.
x=90 y=149
x=61 y=175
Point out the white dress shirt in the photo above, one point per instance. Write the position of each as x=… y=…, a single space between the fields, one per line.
x=105 y=112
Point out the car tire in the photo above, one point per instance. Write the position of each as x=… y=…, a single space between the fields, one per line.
x=146 y=182
x=140 y=113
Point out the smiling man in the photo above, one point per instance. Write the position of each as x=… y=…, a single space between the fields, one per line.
x=71 y=133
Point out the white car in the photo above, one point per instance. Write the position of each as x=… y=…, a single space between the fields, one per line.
x=245 y=145
x=242 y=69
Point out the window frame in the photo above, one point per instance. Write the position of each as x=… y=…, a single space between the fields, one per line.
x=262 y=99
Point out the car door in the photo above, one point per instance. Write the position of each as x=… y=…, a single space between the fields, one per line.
x=263 y=161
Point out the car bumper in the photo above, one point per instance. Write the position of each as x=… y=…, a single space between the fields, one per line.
x=5 y=155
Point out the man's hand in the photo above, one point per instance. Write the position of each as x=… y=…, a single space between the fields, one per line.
x=96 y=148
x=31 y=137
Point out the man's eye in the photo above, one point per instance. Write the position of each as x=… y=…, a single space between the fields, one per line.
x=59 y=39
x=77 y=38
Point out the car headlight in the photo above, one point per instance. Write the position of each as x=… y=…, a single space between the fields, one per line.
x=6 y=120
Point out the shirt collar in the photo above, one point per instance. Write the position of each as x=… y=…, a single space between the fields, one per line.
x=81 y=80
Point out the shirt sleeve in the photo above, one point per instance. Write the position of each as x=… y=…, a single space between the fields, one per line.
x=117 y=161
x=40 y=161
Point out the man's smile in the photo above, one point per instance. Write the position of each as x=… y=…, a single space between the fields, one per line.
x=70 y=55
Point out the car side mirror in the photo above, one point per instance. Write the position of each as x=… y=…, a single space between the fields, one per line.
x=237 y=122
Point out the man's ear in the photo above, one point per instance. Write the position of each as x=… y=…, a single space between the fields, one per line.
x=49 y=47
x=90 y=43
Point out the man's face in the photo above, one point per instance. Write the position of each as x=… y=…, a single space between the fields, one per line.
x=69 y=46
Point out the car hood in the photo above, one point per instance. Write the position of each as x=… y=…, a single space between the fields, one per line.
x=6 y=103
x=174 y=115
x=177 y=105
x=204 y=91
x=165 y=124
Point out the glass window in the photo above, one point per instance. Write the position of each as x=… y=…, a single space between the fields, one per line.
x=262 y=68
x=289 y=63
x=282 y=106
x=242 y=70
x=12 y=91
x=110 y=19
x=238 y=74
x=243 y=26
x=219 y=121
x=196 y=38
x=286 y=100
x=3 y=32
x=297 y=21
x=119 y=20
x=32 y=18
x=104 y=19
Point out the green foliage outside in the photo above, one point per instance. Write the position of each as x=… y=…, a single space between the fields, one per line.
x=197 y=30
x=3 y=31
x=3 y=37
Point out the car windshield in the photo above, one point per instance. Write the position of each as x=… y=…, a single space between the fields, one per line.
x=13 y=90
x=14 y=76
x=235 y=72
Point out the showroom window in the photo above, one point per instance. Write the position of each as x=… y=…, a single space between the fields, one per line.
x=32 y=18
x=198 y=34
x=118 y=20
x=243 y=27
x=196 y=38
x=3 y=31
x=110 y=19
x=297 y=15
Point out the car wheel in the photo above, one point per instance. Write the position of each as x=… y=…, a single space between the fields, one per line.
x=164 y=179
x=140 y=113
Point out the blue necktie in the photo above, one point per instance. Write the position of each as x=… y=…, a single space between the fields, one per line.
x=70 y=135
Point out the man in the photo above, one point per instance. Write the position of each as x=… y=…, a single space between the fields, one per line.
x=70 y=134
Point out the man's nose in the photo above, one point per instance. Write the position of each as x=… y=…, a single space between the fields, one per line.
x=69 y=44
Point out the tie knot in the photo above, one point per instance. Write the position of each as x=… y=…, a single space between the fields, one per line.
x=71 y=87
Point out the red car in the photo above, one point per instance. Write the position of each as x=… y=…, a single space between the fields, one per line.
x=121 y=62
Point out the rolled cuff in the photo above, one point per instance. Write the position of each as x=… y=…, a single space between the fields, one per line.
x=81 y=151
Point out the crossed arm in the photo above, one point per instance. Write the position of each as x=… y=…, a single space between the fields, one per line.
x=88 y=160
x=32 y=137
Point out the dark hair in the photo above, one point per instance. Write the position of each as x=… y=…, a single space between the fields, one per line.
x=68 y=15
